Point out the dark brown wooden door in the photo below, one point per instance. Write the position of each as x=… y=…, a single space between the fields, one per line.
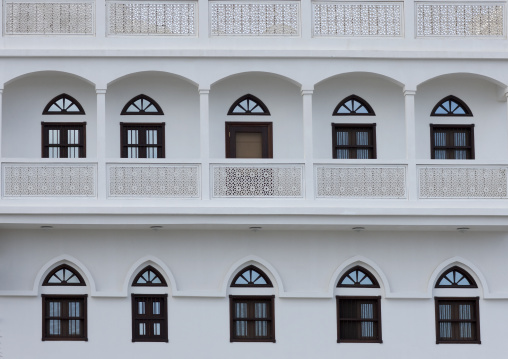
x=249 y=140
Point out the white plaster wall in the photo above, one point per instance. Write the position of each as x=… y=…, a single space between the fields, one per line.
x=199 y=326
x=482 y=97
x=283 y=100
x=385 y=98
x=23 y=102
x=179 y=101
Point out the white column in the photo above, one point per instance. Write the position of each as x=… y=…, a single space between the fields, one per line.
x=1 y=120
x=203 y=16
x=409 y=112
x=308 y=150
x=101 y=144
x=100 y=18
x=306 y=15
x=204 y=140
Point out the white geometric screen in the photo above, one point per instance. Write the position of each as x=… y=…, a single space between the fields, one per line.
x=462 y=182
x=263 y=18
x=152 y=18
x=466 y=19
x=335 y=181
x=357 y=19
x=37 y=18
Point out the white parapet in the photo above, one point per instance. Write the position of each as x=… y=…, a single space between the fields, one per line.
x=358 y=18
x=262 y=181
x=49 y=180
x=369 y=181
x=260 y=18
x=154 y=180
x=462 y=181
x=484 y=19
x=49 y=18
x=170 y=18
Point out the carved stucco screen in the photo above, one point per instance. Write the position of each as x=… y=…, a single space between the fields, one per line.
x=150 y=18
x=478 y=19
x=157 y=181
x=360 y=182
x=463 y=182
x=257 y=181
x=357 y=19
x=46 y=180
x=52 y=18
x=255 y=19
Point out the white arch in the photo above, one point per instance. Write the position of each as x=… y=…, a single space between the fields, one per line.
x=64 y=259
x=124 y=75
x=14 y=76
x=266 y=267
x=364 y=262
x=362 y=72
x=438 y=75
x=462 y=263
x=143 y=262
x=225 y=77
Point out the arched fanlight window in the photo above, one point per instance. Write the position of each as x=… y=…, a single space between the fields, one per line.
x=358 y=277
x=63 y=105
x=456 y=277
x=451 y=106
x=142 y=105
x=251 y=276
x=64 y=275
x=353 y=106
x=149 y=276
x=249 y=105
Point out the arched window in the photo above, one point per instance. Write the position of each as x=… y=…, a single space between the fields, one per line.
x=249 y=105
x=64 y=275
x=251 y=276
x=451 y=106
x=142 y=105
x=63 y=105
x=456 y=277
x=358 y=277
x=353 y=106
x=149 y=276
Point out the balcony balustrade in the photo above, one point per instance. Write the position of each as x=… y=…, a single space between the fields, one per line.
x=248 y=18
x=32 y=180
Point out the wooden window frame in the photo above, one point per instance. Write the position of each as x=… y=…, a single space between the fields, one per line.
x=265 y=128
x=142 y=146
x=476 y=320
x=157 y=273
x=250 y=97
x=142 y=112
x=368 y=107
x=461 y=271
x=351 y=126
x=162 y=318
x=69 y=268
x=251 y=300
x=64 y=320
x=457 y=100
x=63 y=126
x=261 y=273
x=373 y=279
x=46 y=111
x=450 y=149
x=375 y=320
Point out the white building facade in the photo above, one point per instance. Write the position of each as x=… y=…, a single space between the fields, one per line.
x=274 y=178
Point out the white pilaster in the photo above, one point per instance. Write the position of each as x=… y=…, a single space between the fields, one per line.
x=100 y=18
x=308 y=150
x=306 y=19
x=101 y=144
x=1 y=119
x=203 y=22
x=204 y=140
x=409 y=113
